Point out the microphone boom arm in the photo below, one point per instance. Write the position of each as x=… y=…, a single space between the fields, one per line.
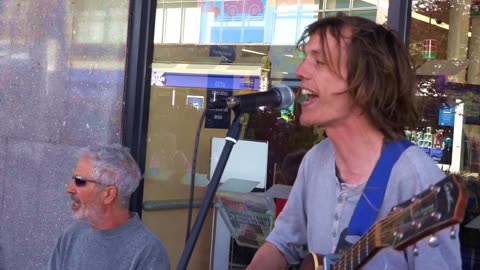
x=230 y=140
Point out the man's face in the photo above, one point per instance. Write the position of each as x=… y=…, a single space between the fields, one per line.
x=327 y=103
x=87 y=203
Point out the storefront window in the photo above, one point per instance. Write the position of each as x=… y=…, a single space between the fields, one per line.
x=209 y=49
x=445 y=44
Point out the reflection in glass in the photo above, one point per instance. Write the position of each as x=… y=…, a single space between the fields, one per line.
x=191 y=33
x=173 y=23
x=158 y=31
x=334 y=4
x=248 y=21
x=210 y=49
x=365 y=3
x=440 y=46
x=369 y=14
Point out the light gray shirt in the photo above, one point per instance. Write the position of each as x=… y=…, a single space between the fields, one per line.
x=319 y=208
x=130 y=246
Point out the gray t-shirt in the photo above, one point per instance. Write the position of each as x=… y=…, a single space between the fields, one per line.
x=130 y=246
x=319 y=208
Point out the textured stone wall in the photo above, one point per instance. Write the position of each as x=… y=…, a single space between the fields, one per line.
x=62 y=66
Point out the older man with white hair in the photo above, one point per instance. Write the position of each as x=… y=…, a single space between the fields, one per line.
x=108 y=235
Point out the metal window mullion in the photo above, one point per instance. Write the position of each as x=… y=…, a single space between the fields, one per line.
x=399 y=18
x=242 y=34
x=299 y=18
x=164 y=24
x=182 y=21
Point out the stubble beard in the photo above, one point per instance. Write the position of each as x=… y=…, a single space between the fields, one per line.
x=89 y=213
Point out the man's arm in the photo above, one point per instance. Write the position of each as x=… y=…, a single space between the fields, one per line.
x=268 y=257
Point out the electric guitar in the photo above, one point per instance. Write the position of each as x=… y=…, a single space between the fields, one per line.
x=436 y=208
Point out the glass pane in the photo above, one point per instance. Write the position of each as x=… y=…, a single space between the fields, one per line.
x=331 y=14
x=91 y=26
x=317 y=3
x=174 y=24
x=191 y=33
x=368 y=14
x=334 y=4
x=364 y=3
x=234 y=47
x=158 y=31
x=305 y=20
x=284 y=23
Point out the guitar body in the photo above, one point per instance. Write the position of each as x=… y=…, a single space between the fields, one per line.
x=311 y=262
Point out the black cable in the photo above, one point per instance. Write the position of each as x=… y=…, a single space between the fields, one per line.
x=192 y=177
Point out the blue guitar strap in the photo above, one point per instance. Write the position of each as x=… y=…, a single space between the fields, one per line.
x=372 y=197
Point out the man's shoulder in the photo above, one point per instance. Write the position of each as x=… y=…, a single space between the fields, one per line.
x=145 y=235
x=322 y=147
x=143 y=240
x=414 y=159
x=322 y=150
x=414 y=172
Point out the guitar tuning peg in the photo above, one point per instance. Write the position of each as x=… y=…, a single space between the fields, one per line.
x=415 y=250
x=453 y=233
x=433 y=241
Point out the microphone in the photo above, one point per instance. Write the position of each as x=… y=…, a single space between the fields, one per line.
x=278 y=96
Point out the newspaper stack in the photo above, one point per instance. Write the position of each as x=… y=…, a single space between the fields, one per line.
x=248 y=216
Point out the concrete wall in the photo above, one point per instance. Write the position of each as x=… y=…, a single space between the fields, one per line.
x=62 y=67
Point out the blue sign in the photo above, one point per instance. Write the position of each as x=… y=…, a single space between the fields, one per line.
x=446 y=115
x=210 y=81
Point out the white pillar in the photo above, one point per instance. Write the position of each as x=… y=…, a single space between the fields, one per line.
x=458 y=34
x=474 y=53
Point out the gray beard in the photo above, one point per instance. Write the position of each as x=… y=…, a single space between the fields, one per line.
x=91 y=214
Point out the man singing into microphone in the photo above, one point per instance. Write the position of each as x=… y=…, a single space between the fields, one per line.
x=107 y=235
x=360 y=86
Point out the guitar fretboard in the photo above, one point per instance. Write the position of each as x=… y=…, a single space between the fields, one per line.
x=358 y=253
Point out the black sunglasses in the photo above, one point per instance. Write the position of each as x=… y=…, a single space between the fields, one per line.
x=81 y=181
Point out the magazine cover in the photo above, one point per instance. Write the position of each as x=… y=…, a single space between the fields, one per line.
x=249 y=216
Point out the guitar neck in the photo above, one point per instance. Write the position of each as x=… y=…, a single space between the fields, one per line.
x=359 y=253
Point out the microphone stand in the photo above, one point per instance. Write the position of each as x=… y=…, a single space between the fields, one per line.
x=230 y=141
